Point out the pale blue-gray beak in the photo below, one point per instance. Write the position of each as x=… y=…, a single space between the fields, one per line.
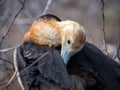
x=66 y=54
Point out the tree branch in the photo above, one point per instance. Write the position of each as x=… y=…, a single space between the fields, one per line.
x=11 y=24
x=46 y=8
x=103 y=27
x=34 y=62
x=8 y=49
x=118 y=51
x=4 y=60
x=2 y=2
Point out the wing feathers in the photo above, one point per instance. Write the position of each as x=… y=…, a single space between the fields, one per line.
x=50 y=67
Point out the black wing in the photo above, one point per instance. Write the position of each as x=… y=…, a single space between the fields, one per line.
x=48 y=69
x=101 y=71
x=53 y=68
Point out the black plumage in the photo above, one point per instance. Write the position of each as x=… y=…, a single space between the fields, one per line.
x=49 y=73
x=94 y=66
x=90 y=69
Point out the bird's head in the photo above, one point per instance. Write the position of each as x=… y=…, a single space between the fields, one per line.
x=73 y=38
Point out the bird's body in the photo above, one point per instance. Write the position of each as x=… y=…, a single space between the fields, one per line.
x=88 y=69
x=49 y=73
x=48 y=30
x=46 y=34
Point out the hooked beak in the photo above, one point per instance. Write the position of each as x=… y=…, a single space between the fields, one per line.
x=66 y=54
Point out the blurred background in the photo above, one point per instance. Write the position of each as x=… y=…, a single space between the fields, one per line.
x=87 y=12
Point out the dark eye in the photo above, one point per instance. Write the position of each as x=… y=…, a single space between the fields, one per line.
x=68 y=41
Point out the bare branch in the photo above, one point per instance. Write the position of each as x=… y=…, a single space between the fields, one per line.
x=46 y=8
x=19 y=73
x=27 y=11
x=2 y=2
x=34 y=62
x=118 y=51
x=5 y=19
x=16 y=68
x=103 y=27
x=13 y=78
x=4 y=60
x=9 y=82
x=11 y=24
x=8 y=49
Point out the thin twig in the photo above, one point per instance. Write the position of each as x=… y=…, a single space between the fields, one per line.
x=9 y=82
x=6 y=16
x=103 y=27
x=27 y=11
x=13 y=78
x=118 y=50
x=8 y=49
x=46 y=8
x=16 y=69
x=11 y=24
x=19 y=73
x=2 y=2
x=4 y=60
x=34 y=62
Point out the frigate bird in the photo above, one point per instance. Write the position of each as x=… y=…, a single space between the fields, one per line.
x=88 y=69
x=46 y=35
x=49 y=30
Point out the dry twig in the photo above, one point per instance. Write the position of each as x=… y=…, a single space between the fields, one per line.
x=34 y=62
x=19 y=73
x=11 y=24
x=4 y=60
x=118 y=51
x=2 y=2
x=27 y=11
x=8 y=49
x=6 y=18
x=46 y=8
x=11 y=79
x=103 y=27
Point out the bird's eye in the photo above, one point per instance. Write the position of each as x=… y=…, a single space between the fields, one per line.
x=69 y=42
